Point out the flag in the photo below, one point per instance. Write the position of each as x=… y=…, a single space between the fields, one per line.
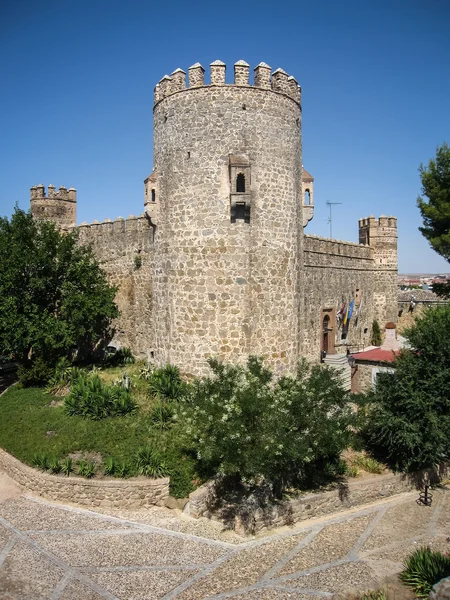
x=350 y=309
x=346 y=316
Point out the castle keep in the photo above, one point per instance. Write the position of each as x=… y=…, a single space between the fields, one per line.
x=219 y=264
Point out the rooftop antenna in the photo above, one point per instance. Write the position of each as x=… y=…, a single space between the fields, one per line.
x=329 y=218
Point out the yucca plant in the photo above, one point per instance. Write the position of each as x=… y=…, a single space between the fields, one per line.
x=54 y=465
x=111 y=466
x=86 y=469
x=367 y=463
x=122 y=470
x=424 y=568
x=149 y=462
x=67 y=466
x=374 y=595
x=41 y=461
x=166 y=383
x=162 y=415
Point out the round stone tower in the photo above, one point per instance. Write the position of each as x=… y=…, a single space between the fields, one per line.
x=226 y=190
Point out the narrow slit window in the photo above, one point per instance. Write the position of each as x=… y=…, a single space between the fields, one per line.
x=307 y=197
x=153 y=196
x=240 y=183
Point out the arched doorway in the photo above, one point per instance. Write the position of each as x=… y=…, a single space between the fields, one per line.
x=327 y=331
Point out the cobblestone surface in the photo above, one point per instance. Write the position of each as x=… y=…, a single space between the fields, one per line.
x=58 y=552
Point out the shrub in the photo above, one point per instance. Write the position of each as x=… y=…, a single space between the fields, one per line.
x=67 y=466
x=89 y=397
x=162 y=415
x=374 y=595
x=424 y=568
x=376 y=334
x=150 y=462
x=182 y=476
x=37 y=373
x=288 y=432
x=41 y=461
x=367 y=464
x=111 y=466
x=62 y=377
x=123 y=356
x=166 y=383
x=54 y=465
x=86 y=469
x=407 y=416
x=122 y=470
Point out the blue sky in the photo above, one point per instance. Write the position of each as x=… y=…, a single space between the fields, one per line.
x=77 y=94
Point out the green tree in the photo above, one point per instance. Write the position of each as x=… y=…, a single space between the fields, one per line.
x=435 y=209
x=244 y=424
x=407 y=416
x=54 y=297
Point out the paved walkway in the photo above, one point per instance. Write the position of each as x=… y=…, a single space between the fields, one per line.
x=56 y=552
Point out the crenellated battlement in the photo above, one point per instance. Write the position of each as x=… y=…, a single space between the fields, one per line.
x=279 y=81
x=59 y=205
x=383 y=221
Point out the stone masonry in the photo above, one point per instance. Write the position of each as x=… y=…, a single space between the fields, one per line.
x=218 y=264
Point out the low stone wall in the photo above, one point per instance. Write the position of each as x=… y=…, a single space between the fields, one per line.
x=249 y=518
x=93 y=493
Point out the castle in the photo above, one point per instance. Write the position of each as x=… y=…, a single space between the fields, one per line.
x=219 y=264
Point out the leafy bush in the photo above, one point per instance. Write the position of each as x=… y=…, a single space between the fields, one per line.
x=36 y=373
x=166 y=383
x=67 y=466
x=376 y=334
x=150 y=462
x=367 y=464
x=89 y=397
x=424 y=568
x=182 y=475
x=374 y=595
x=288 y=432
x=406 y=419
x=162 y=415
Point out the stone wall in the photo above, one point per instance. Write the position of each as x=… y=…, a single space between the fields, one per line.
x=333 y=271
x=125 y=251
x=107 y=493
x=252 y=520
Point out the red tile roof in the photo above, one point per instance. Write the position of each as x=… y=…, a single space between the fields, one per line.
x=377 y=355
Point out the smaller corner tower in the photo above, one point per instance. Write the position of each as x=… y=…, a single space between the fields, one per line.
x=58 y=206
x=381 y=235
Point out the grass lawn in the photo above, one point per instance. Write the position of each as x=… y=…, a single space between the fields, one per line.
x=30 y=425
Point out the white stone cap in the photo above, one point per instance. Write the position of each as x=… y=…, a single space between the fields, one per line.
x=166 y=77
x=196 y=65
x=119 y=219
x=95 y=222
x=50 y=185
x=107 y=220
x=70 y=189
x=131 y=217
x=241 y=63
x=217 y=63
x=263 y=65
x=178 y=71
x=290 y=78
x=280 y=71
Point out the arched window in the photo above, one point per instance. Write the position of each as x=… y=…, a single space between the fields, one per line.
x=240 y=183
x=153 y=196
x=307 y=197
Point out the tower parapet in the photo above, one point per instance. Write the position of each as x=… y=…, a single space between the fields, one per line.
x=59 y=205
x=279 y=81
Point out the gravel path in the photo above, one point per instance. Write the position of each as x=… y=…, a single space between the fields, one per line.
x=54 y=552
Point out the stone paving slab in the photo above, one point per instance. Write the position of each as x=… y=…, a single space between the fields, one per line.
x=57 y=552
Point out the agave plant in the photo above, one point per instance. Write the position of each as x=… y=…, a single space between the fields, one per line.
x=122 y=470
x=86 y=469
x=166 y=383
x=41 y=461
x=149 y=462
x=54 y=465
x=162 y=415
x=67 y=466
x=424 y=568
x=111 y=466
